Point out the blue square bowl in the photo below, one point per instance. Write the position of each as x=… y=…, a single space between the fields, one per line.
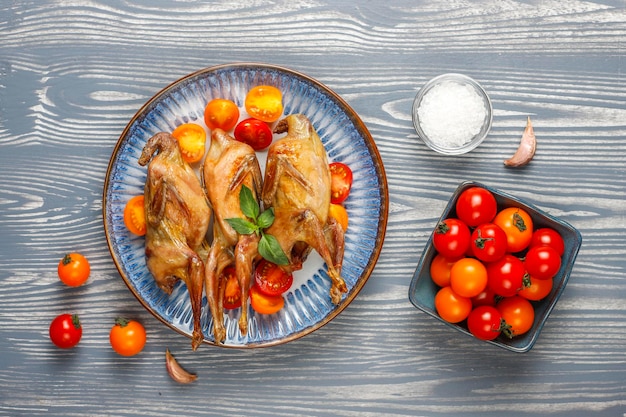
x=423 y=290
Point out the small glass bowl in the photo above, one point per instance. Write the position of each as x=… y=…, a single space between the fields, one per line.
x=441 y=118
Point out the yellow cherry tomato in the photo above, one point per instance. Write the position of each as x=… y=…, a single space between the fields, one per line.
x=221 y=113
x=265 y=103
x=191 y=141
x=340 y=214
x=135 y=215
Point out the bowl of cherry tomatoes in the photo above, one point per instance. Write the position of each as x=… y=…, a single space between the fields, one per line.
x=494 y=267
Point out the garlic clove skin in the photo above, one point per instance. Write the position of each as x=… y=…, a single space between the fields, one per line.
x=177 y=373
x=526 y=149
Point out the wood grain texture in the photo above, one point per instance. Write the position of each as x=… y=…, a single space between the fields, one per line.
x=73 y=73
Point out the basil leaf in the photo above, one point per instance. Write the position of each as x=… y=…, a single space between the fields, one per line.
x=271 y=250
x=266 y=218
x=242 y=226
x=248 y=203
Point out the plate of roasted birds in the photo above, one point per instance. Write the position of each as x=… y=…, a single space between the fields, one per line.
x=245 y=205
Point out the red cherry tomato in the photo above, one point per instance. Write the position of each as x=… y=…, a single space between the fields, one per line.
x=518 y=226
x=468 y=277
x=505 y=276
x=270 y=279
x=232 y=290
x=542 y=262
x=452 y=307
x=488 y=242
x=254 y=132
x=476 y=206
x=340 y=182
x=486 y=298
x=485 y=322
x=451 y=238
x=548 y=237
x=538 y=289
x=66 y=331
x=518 y=313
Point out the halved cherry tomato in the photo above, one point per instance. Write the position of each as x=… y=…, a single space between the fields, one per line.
x=270 y=279
x=518 y=226
x=440 y=270
x=538 y=289
x=548 y=237
x=265 y=103
x=191 y=141
x=339 y=213
x=254 y=132
x=65 y=331
x=452 y=307
x=485 y=322
x=468 y=277
x=127 y=337
x=476 y=206
x=74 y=269
x=542 y=262
x=221 y=113
x=135 y=215
x=451 y=238
x=488 y=242
x=518 y=313
x=340 y=182
x=264 y=304
x=232 y=290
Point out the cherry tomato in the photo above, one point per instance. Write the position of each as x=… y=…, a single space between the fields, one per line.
x=265 y=103
x=485 y=322
x=440 y=270
x=537 y=290
x=191 y=141
x=127 y=337
x=542 y=262
x=135 y=215
x=548 y=237
x=488 y=242
x=452 y=307
x=232 y=290
x=340 y=214
x=486 y=298
x=518 y=226
x=468 y=277
x=451 y=238
x=476 y=206
x=221 y=113
x=254 y=132
x=265 y=304
x=270 y=279
x=66 y=331
x=518 y=313
x=505 y=276
x=74 y=269
x=340 y=182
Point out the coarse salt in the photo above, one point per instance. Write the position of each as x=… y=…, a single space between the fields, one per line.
x=451 y=114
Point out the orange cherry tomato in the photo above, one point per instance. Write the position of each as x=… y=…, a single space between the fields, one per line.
x=127 y=337
x=518 y=226
x=191 y=141
x=340 y=182
x=537 y=290
x=74 y=269
x=265 y=304
x=468 y=277
x=518 y=313
x=440 y=270
x=452 y=307
x=221 y=113
x=265 y=103
x=340 y=214
x=232 y=291
x=135 y=215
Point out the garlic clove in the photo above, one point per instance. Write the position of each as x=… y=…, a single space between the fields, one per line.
x=177 y=372
x=526 y=149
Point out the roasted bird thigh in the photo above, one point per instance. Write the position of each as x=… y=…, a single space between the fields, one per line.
x=177 y=217
x=297 y=186
x=228 y=166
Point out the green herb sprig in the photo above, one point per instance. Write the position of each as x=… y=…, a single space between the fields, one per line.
x=256 y=222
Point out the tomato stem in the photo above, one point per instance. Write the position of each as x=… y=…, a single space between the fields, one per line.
x=121 y=321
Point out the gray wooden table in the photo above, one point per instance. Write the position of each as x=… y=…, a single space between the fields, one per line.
x=72 y=74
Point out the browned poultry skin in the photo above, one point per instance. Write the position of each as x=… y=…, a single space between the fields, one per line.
x=228 y=166
x=177 y=217
x=297 y=186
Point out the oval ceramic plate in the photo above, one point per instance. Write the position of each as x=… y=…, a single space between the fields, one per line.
x=346 y=139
